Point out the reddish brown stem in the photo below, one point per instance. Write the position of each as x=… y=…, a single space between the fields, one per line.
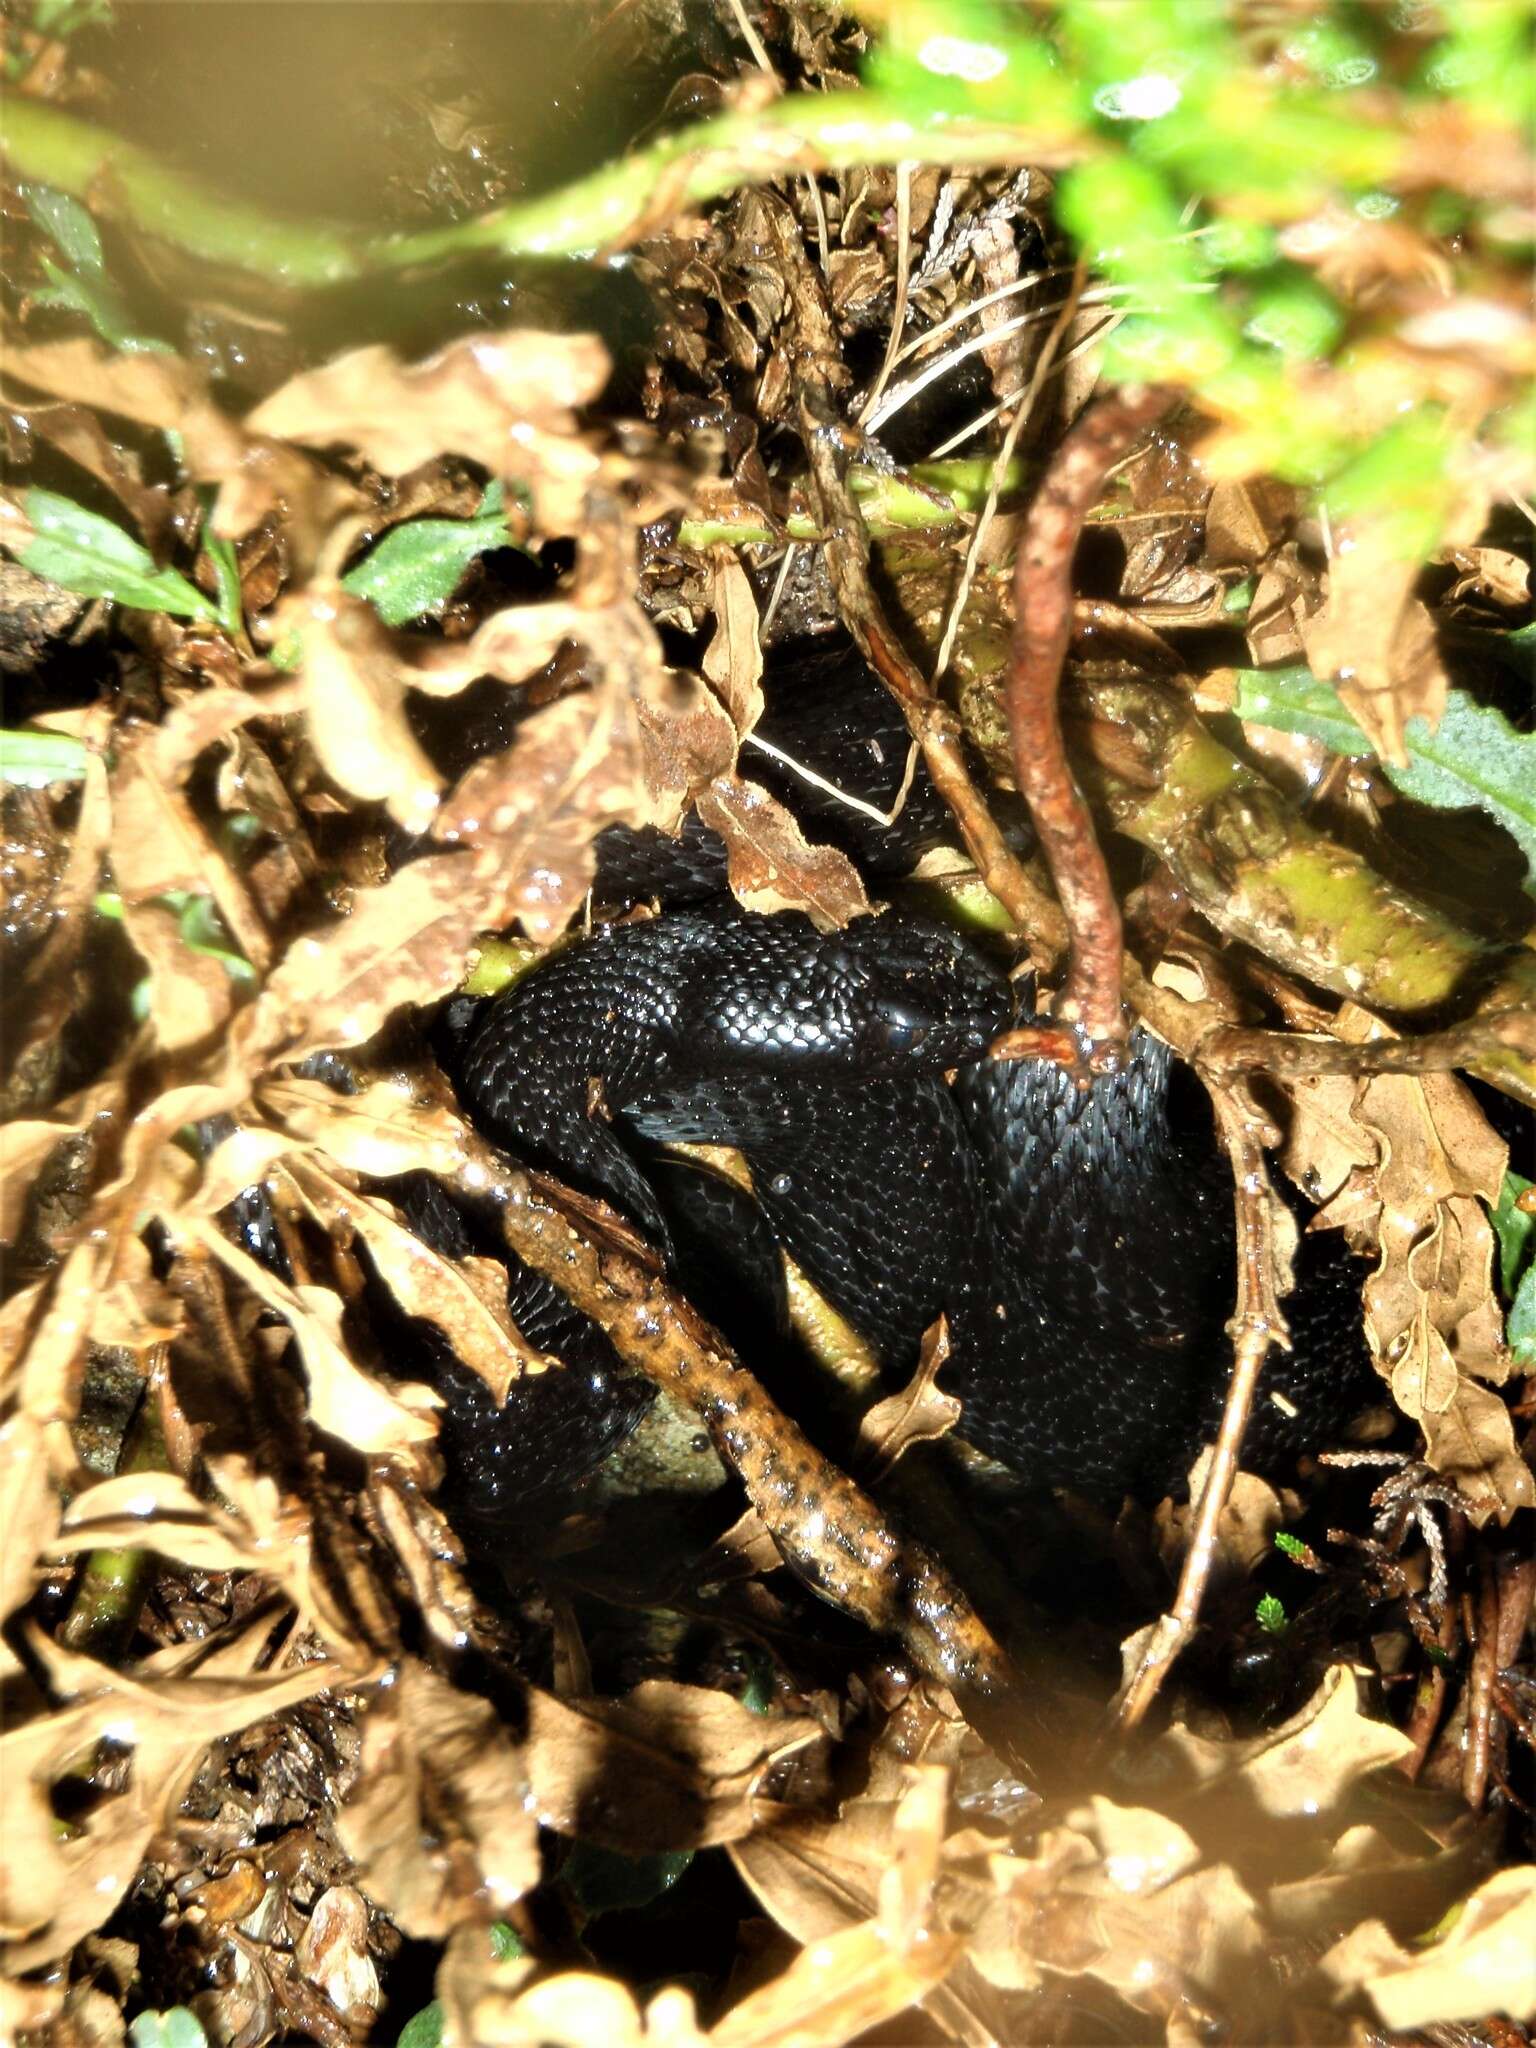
x=1043 y=604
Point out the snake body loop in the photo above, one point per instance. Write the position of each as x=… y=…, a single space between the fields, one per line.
x=1080 y=1239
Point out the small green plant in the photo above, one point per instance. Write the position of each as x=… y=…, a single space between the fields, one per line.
x=1271 y=1616
x=81 y=551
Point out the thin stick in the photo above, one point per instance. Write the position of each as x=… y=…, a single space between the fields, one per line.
x=853 y=803
x=1287 y=1055
x=869 y=413
x=1042 y=630
x=1026 y=406
x=1256 y=1323
x=827 y=1529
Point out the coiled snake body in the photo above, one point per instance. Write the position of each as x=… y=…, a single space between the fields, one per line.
x=1079 y=1240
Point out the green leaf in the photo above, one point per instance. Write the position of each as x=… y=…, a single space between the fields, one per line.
x=176 y=2027
x=84 y=287
x=602 y=1881
x=62 y=17
x=1271 y=1616
x=1290 y=1546
x=68 y=224
x=1515 y=1229
x=416 y=568
x=83 y=552
x=423 y=2029
x=506 y=1943
x=1473 y=757
x=31 y=760
x=226 y=570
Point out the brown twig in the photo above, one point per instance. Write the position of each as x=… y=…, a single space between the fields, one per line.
x=1505 y=1589
x=827 y=1529
x=1286 y=1055
x=1257 y=1322
x=1477 y=1748
x=1042 y=629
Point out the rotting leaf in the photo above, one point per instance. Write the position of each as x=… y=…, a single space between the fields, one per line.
x=1482 y=1961
x=772 y=864
x=506 y=400
x=440 y=1822
x=530 y=813
x=669 y=1766
x=465 y=1298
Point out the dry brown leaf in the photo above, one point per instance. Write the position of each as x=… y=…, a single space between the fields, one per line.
x=772 y=864
x=733 y=660
x=191 y=994
x=1492 y=573
x=465 y=1298
x=384 y=1131
x=1483 y=1961
x=838 y=1989
x=1245 y=1529
x=54 y=1888
x=405 y=941
x=917 y=1414
x=440 y=1821
x=510 y=2005
x=1406 y=1166
x=1375 y=641
x=506 y=400
x=342 y=1399
x=669 y=1766
x=1307 y=1766
x=1246 y=520
x=1121 y=1894
x=353 y=688
x=158 y=842
x=333 y=1953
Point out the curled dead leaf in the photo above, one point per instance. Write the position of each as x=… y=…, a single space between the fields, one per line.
x=440 y=1821
x=772 y=865
x=669 y=1766
x=506 y=400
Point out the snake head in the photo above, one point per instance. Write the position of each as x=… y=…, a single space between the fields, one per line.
x=933 y=1000
x=892 y=994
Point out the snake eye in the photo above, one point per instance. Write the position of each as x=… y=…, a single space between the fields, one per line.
x=902 y=1030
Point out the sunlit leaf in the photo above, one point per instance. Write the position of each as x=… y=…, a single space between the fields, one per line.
x=416 y=568
x=1473 y=757
x=83 y=552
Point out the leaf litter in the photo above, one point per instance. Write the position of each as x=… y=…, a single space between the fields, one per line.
x=278 y=1471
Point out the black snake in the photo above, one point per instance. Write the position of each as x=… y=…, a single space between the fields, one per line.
x=1079 y=1239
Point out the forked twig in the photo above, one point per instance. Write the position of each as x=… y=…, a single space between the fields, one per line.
x=1042 y=630
x=1257 y=1322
